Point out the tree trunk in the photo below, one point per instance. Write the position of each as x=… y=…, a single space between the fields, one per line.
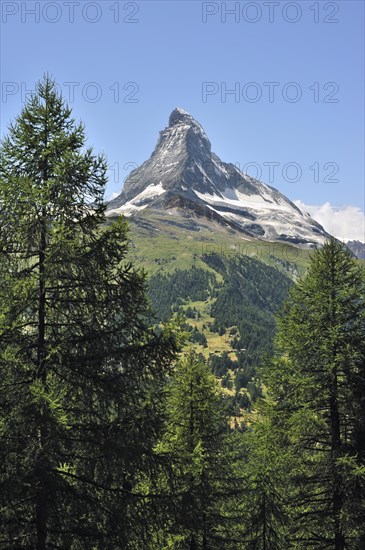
x=337 y=497
x=264 y=525
x=41 y=466
x=41 y=517
x=42 y=463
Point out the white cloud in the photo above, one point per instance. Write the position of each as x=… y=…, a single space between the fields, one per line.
x=347 y=223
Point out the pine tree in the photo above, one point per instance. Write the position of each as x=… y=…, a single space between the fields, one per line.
x=202 y=487
x=265 y=518
x=318 y=383
x=81 y=369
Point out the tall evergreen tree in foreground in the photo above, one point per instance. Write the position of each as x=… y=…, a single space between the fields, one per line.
x=80 y=368
x=266 y=520
x=318 y=383
x=202 y=485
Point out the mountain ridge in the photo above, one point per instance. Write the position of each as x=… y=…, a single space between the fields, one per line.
x=357 y=248
x=183 y=173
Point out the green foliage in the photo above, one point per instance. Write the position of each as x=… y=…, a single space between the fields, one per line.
x=318 y=382
x=244 y=300
x=81 y=369
x=203 y=455
x=220 y=364
x=266 y=517
x=242 y=379
x=254 y=390
x=243 y=401
x=252 y=293
x=198 y=337
x=177 y=288
x=191 y=313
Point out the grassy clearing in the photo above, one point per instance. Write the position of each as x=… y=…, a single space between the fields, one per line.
x=163 y=243
x=216 y=343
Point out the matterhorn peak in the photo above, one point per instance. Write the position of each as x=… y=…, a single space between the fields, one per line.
x=179 y=115
x=185 y=128
x=183 y=173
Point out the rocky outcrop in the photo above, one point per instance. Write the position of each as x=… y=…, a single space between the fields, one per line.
x=184 y=173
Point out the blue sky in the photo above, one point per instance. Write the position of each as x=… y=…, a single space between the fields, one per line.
x=295 y=119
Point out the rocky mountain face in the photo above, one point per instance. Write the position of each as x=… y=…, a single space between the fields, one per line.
x=357 y=248
x=183 y=173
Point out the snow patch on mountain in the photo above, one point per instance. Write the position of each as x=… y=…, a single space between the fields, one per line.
x=233 y=197
x=139 y=202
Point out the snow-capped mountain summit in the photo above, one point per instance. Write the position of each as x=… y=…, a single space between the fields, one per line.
x=183 y=173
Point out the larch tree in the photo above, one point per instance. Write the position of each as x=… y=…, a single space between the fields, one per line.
x=318 y=383
x=265 y=514
x=81 y=367
x=202 y=486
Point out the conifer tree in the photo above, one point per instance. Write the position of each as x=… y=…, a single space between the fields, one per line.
x=81 y=369
x=318 y=383
x=265 y=517
x=203 y=484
